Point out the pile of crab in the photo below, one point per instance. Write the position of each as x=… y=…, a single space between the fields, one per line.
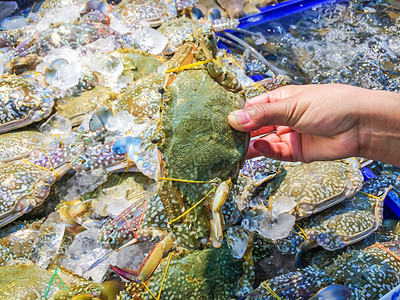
x=121 y=178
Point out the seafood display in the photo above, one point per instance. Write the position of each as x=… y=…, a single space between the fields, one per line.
x=121 y=178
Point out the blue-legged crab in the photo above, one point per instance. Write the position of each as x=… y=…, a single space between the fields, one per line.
x=19 y=144
x=23 y=100
x=25 y=184
x=317 y=185
x=358 y=274
x=349 y=221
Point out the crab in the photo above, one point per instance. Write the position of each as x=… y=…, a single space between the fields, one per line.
x=197 y=142
x=380 y=270
x=23 y=100
x=197 y=274
x=152 y=13
x=317 y=185
x=357 y=274
x=67 y=34
x=349 y=221
x=26 y=184
x=179 y=29
x=20 y=144
x=137 y=63
x=142 y=99
x=27 y=281
x=18 y=244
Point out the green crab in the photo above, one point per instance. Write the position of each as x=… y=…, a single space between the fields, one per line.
x=197 y=143
x=23 y=100
x=198 y=274
x=137 y=63
x=316 y=186
x=27 y=281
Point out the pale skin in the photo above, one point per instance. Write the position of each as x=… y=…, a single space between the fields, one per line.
x=322 y=122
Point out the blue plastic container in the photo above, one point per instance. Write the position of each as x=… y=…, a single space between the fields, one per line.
x=280 y=10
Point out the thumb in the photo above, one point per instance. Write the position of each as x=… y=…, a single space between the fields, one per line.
x=259 y=115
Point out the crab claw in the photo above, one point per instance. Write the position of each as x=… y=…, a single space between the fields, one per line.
x=150 y=263
x=127 y=144
x=218 y=201
x=100 y=5
x=333 y=292
x=196 y=14
x=214 y=14
x=303 y=248
x=126 y=273
x=100 y=118
x=53 y=68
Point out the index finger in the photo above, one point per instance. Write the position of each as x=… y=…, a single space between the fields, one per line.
x=273 y=96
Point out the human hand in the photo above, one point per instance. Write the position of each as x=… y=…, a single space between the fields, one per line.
x=305 y=123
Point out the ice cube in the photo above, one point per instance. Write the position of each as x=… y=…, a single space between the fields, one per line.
x=56 y=124
x=109 y=67
x=82 y=183
x=59 y=15
x=237 y=238
x=122 y=121
x=278 y=228
x=151 y=40
x=104 y=45
x=83 y=252
x=282 y=205
x=48 y=242
x=119 y=26
x=147 y=161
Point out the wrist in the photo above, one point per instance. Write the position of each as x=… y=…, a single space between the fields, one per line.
x=379 y=127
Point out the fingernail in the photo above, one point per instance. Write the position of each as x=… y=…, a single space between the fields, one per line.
x=240 y=116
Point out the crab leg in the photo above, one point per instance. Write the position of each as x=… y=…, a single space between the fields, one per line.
x=218 y=201
x=150 y=263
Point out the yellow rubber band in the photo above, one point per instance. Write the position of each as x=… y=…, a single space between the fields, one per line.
x=226 y=57
x=231 y=60
x=181 y=68
x=215 y=61
x=268 y=288
x=193 y=207
x=372 y=196
x=165 y=275
x=260 y=86
x=181 y=180
x=302 y=231
x=28 y=162
x=145 y=285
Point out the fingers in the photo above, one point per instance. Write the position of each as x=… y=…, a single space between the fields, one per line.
x=259 y=115
x=286 y=147
x=263 y=130
x=275 y=95
x=272 y=108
